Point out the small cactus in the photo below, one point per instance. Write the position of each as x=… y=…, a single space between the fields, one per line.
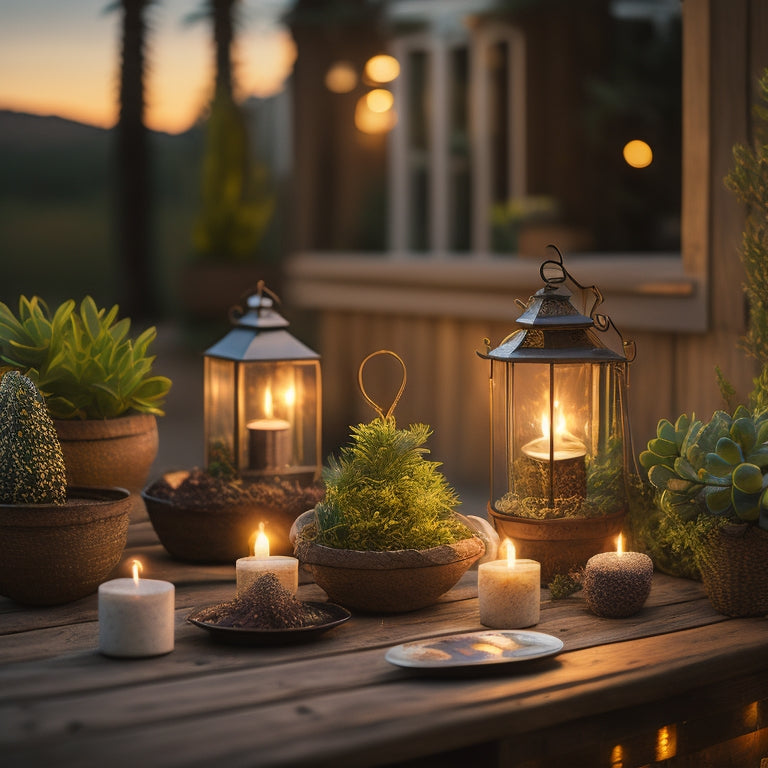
x=31 y=462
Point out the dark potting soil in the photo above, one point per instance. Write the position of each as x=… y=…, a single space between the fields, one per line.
x=266 y=604
x=198 y=488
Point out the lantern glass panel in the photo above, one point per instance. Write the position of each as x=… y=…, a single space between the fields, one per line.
x=557 y=439
x=219 y=410
x=278 y=426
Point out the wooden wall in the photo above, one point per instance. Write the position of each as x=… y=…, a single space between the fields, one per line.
x=725 y=49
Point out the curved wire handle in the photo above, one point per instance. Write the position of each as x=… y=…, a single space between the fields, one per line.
x=376 y=407
x=238 y=311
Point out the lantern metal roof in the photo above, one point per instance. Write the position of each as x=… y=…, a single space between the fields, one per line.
x=554 y=330
x=260 y=335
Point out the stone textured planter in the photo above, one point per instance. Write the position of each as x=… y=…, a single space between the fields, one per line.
x=387 y=582
x=52 y=554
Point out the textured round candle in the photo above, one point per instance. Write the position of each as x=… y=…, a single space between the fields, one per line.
x=136 y=617
x=616 y=585
x=249 y=569
x=509 y=593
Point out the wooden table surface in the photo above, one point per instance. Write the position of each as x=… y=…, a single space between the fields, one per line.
x=676 y=667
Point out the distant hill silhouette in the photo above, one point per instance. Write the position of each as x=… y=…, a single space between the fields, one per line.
x=21 y=129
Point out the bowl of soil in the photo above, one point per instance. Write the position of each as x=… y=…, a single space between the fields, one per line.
x=201 y=518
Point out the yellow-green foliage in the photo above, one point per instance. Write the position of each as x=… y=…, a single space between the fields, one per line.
x=31 y=463
x=82 y=359
x=383 y=495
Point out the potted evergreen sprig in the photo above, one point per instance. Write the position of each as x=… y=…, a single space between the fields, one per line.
x=98 y=386
x=386 y=536
x=57 y=543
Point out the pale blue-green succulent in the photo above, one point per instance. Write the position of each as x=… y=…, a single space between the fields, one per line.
x=724 y=462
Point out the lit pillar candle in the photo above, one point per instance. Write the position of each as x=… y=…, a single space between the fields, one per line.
x=567 y=452
x=136 y=616
x=509 y=592
x=617 y=584
x=269 y=439
x=249 y=569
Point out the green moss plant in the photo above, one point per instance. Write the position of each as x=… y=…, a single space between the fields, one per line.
x=31 y=462
x=382 y=494
x=82 y=359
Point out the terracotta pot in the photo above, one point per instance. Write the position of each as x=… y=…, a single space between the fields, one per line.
x=110 y=453
x=734 y=571
x=559 y=544
x=52 y=554
x=219 y=533
x=387 y=582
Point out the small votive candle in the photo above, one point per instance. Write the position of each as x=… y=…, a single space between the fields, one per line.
x=249 y=569
x=617 y=584
x=136 y=616
x=509 y=591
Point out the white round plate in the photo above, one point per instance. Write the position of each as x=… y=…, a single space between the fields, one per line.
x=474 y=648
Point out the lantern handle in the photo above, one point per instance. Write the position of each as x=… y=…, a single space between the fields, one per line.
x=559 y=274
x=376 y=407
x=238 y=311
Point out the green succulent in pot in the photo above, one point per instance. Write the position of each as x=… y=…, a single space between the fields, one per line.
x=723 y=463
x=82 y=359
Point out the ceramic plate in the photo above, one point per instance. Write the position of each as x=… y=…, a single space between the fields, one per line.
x=242 y=636
x=474 y=648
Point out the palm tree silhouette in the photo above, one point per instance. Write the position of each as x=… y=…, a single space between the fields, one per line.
x=134 y=203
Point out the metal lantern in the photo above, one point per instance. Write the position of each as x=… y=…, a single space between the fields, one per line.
x=262 y=397
x=559 y=442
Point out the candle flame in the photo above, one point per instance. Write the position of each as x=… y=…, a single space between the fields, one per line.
x=136 y=569
x=290 y=396
x=269 y=410
x=261 y=544
x=620 y=545
x=511 y=554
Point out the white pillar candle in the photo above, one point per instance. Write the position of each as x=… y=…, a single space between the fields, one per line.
x=269 y=443
x=136 y=616
x=509 y=592
x=249 y=569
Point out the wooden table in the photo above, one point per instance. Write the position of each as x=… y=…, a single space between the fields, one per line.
x=676 y=677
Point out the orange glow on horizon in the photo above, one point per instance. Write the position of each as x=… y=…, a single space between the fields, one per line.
x=75 y=75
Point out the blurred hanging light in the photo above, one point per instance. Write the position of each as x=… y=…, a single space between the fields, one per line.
x=376 y=120
x=381 y=68
x=638 y=154
x=341 y=77
x=379 y=100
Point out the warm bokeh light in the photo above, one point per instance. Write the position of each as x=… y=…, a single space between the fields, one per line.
x=638 y=154
x=368 y=121
x=379 y=100
x=341 y=77
x=382 y=68
x=617 y=757
x=666 y=742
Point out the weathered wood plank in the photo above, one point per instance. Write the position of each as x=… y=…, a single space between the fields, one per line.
x=319 y=722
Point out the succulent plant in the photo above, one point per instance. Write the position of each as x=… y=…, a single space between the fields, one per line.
x=82 y=359
x=31 y=462
x=723 y=462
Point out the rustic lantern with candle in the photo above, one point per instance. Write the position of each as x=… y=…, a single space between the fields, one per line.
x=559 y=443
x=262 y=391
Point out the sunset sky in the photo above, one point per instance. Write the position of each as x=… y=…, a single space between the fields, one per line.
x=61 y=57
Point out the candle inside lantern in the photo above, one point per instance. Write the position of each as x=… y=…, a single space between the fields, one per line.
x=567 y=453
x=509 y=591
x=617 y=584
x=249 y=569
x=269 y=439
x=136 y=616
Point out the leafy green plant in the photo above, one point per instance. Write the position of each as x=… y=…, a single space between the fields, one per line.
x=31 y=462
x=82 y=359
x=383 y=495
